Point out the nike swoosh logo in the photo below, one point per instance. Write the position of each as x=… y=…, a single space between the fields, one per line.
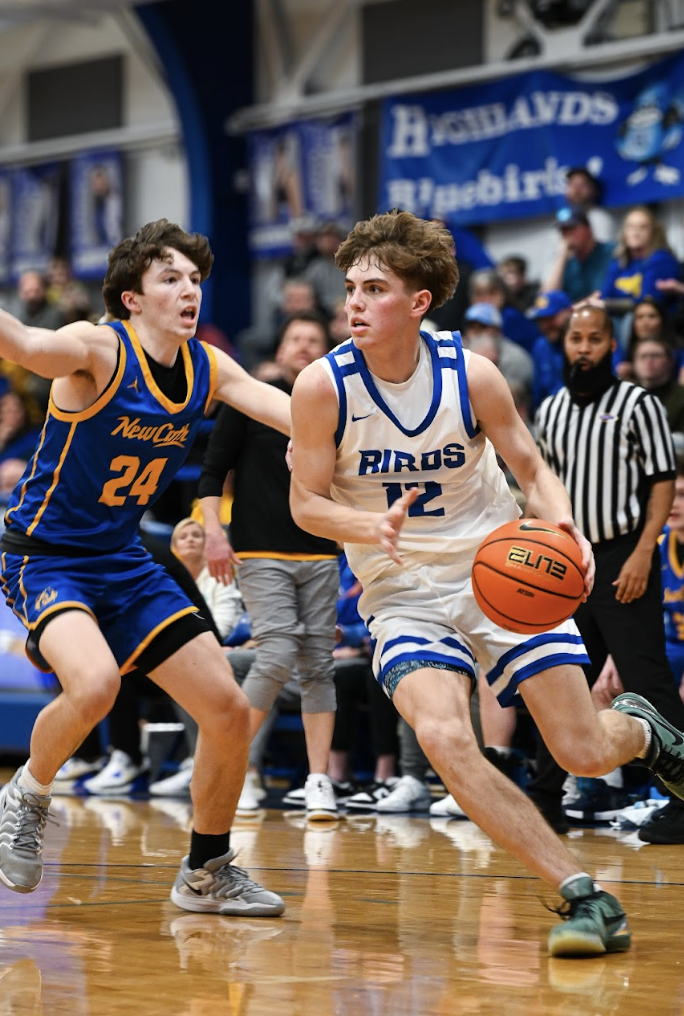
x=355 y=419
x=191 y=888
x=529 y=527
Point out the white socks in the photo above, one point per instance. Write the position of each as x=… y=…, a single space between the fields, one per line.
x=648 y=733
x=27 y=781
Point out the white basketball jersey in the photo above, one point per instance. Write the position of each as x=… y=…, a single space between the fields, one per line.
x=420 y=433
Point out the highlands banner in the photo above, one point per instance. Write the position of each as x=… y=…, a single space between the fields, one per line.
x=302 y=170
x=501 y=150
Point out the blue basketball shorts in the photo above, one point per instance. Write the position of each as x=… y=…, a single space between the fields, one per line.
x=127 y=593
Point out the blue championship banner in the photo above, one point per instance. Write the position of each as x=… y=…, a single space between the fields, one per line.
x=501 y=150
x=305 y=168
x=35 y=218
x=96 y=211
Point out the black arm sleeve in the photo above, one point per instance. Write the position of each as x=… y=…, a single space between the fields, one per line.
x=223 y=449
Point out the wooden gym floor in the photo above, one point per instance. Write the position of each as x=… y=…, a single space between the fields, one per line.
x=386 y=916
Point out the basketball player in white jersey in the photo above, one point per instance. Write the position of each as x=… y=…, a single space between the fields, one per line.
x=394 y=436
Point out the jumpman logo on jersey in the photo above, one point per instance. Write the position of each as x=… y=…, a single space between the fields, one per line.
x=134 y=385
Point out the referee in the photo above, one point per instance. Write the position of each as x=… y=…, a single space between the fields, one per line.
x=609 y=442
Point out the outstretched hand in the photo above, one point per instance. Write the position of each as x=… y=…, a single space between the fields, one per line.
x=391 y=522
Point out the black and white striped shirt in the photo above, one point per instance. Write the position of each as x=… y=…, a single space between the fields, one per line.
x=606 y=453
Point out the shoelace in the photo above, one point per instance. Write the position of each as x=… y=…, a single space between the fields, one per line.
x=569 y=908
x=668 y=766
x=31 y=823
x=229 y=881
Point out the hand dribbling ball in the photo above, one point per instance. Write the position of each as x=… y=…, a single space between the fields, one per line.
x=528 y=576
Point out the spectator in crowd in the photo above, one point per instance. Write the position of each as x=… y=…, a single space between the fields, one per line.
x=641 y=258
x=484 y=322
x=487 y=286
x=18 y=436
x=654 y=370
x=296 y=294
x=292 y=296
x=223 y=599
x=581 y=265
x=672 y=560
x=322 y=272
x=66 y=293
x=339 y=323
x=471 y=256
x=583 y=189
x=289 y=579
x=551 y=312
x=11 y=471
x=32 y=305
x=609 y=442
x=649 y=321
x=33 y=308
x=303 y=229
x=522 y=292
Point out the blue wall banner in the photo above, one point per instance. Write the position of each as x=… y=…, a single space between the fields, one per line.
x=96 y=211
x=35 y=217
x=302 y=169
x=501 y=150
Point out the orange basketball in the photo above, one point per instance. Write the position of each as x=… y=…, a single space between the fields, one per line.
x=528 y=576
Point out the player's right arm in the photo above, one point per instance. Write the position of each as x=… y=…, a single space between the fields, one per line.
x=314 y=422
x=51 y=354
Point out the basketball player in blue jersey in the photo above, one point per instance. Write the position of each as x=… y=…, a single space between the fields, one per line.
x=127 y=400
x=394 y=436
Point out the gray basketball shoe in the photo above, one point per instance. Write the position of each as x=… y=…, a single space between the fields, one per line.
x=22 y=827
x=222 y=888
x=666 y=755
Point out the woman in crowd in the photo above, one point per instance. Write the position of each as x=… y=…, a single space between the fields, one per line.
x=642 y=258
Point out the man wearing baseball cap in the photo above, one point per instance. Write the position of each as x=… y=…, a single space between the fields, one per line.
x=482 y=332
x=582 y=261
x=551 y=311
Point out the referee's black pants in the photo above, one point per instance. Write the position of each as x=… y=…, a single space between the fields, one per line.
x=633 y=634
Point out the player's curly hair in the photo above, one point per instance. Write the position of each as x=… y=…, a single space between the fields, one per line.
x=420 y=251
x=131 y=258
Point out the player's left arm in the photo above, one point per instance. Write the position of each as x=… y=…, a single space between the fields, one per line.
x=495 y=412
x=263 y=402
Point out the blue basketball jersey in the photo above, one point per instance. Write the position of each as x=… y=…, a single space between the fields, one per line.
x=96 y=472
x=673 y=587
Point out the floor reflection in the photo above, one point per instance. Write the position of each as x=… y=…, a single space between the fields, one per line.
x=387 y=916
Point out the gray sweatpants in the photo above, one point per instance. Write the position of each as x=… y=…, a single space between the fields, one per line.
x=292 y=607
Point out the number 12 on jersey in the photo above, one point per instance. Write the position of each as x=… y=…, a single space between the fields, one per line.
x=418 y=509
